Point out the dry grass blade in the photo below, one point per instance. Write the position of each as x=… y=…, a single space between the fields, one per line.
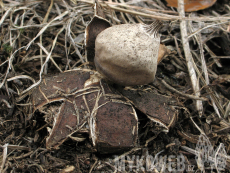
x=43 y=66
x=47 y=25
x=5 y=15
x=44 y=21
x=49 y=54
x=21 y=77
x=199 y=30
x=5 y=147
x=160 y=16
x=10 y=65
x=72 y=40
x=204 y=69
x=188 y=56
x=185 y=95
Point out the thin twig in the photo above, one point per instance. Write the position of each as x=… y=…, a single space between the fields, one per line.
x=188 y=56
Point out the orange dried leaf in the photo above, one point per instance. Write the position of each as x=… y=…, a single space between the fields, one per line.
x=192 y=5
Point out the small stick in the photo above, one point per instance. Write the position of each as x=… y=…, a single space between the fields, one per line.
x=188 y=56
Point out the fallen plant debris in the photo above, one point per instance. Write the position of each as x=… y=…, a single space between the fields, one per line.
x=88 y=106
x=192 y=5
x=158 y=108
x=95 y=26
x=47 y=79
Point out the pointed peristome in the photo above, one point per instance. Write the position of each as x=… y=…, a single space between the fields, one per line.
x=153 y=28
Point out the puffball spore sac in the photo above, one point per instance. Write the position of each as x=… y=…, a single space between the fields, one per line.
x=127 y=54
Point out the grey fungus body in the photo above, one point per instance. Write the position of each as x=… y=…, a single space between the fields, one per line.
x=127 y=54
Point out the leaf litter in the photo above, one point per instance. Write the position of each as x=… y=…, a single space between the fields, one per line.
x=41 y=39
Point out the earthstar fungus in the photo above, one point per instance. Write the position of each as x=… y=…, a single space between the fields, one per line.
x=80 y=100
x=126 y=54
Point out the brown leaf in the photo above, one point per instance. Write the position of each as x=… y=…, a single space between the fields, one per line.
x=192 y=5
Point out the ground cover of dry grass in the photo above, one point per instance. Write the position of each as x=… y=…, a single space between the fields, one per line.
x=47 y=37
